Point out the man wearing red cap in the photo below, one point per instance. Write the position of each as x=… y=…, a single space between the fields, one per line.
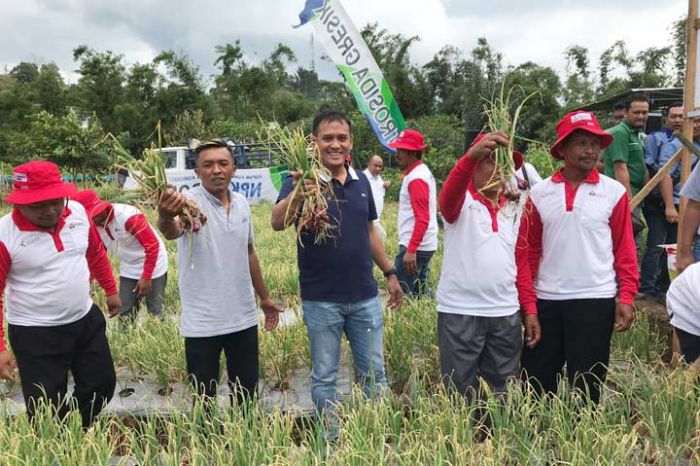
x=485 y=279
x=48 y=250
x=143 y=259
x=583 y=257
x=418 y=229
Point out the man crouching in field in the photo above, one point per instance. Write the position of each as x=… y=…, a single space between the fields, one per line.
x=485 y=278
x=48 y=251
x=216 y=267
x=143 y=260
x=583 y=256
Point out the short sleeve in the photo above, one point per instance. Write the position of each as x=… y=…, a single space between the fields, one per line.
x=618 y=150
x=251 y=232
x=691 y=188
x=372 y=208
x=286 y=189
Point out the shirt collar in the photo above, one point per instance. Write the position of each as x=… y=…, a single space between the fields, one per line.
x=352 y=173
x=23 y=224
x=213 y=199
x=593 y=177
x=413 y=165
x=476 y=195
x=630 y=128
x=371 y=176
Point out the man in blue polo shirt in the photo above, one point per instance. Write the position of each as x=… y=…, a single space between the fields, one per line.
x=338 y=289
x=660 y=206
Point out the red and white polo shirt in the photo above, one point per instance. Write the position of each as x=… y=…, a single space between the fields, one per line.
x=580 y=239
x=485 y=269
x=417 y=223
x=140 y=249
x=46 y=275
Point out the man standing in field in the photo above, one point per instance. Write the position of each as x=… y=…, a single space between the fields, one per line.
x=417 y=225
x=583 y=258
x=48 y=251
x=373 y=172
x=624 y=157
x=338 y=289
x=485 y=279
x=143 y=259
x=660 y=207
x=218 y=270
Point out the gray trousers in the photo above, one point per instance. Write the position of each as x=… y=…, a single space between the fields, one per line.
x=473 y=347
x=130 y=301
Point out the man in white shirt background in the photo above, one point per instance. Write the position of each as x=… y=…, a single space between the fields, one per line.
x=374 y=169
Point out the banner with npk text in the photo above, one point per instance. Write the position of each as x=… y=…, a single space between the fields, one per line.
x=256 y=184
x=346 y=47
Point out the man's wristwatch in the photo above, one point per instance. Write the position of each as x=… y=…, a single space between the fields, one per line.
x=390 y=272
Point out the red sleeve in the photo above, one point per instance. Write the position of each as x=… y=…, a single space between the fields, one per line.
x=419 y=193
x=523 y=279
x=533 y=224
x=98 y=263
x=455 y=188
x=624 y=251
x=4 y=272
x=138 y=226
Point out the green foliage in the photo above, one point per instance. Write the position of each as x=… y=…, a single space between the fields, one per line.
x=72 y=143
x=129 y=100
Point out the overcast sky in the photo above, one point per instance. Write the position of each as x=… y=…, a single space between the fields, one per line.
x=539 y=30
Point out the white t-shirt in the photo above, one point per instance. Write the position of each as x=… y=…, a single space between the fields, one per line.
x=683 y=300
x=216 y=291
x=378 y=191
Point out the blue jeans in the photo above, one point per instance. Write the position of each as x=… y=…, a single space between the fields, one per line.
x=414 y=284
x=696 y=248
x=363 y=324
x=653 y=275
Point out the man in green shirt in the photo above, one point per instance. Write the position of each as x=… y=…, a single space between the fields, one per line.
x=624 y=158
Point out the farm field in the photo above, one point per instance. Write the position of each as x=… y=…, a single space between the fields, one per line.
x=650 y=413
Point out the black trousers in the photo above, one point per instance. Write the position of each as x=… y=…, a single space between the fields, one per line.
x=690 y=345
x=576 y=332
x=45 y=355
x=241 y=350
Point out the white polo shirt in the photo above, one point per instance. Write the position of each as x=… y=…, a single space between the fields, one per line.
x=407 y=218
x=378 y=192
x=479 y=270
x=118 y=238
x=48 y=283
x=683 y=300
x=216 y=291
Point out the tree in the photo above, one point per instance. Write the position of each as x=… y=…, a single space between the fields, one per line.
x=579 y=85
x=76 y=145
x=100 y=87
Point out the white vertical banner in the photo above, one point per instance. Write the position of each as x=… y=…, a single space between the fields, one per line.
x=346 y=47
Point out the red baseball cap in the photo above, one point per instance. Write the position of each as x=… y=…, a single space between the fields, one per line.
x=409 y=139
x=94 y=206
x=517 y=156
x=38 y=181
x=579 y=120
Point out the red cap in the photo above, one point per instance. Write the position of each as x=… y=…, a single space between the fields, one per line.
x=409 y=139
x=517 y=156
x=579 y=120
x=94 y=206
x=38 y=181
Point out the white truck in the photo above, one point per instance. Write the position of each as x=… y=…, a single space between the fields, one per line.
x=256 y=177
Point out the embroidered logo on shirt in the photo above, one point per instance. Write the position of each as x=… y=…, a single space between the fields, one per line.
x=29 y=241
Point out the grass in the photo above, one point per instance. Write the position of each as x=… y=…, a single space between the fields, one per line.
x=649 y=413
